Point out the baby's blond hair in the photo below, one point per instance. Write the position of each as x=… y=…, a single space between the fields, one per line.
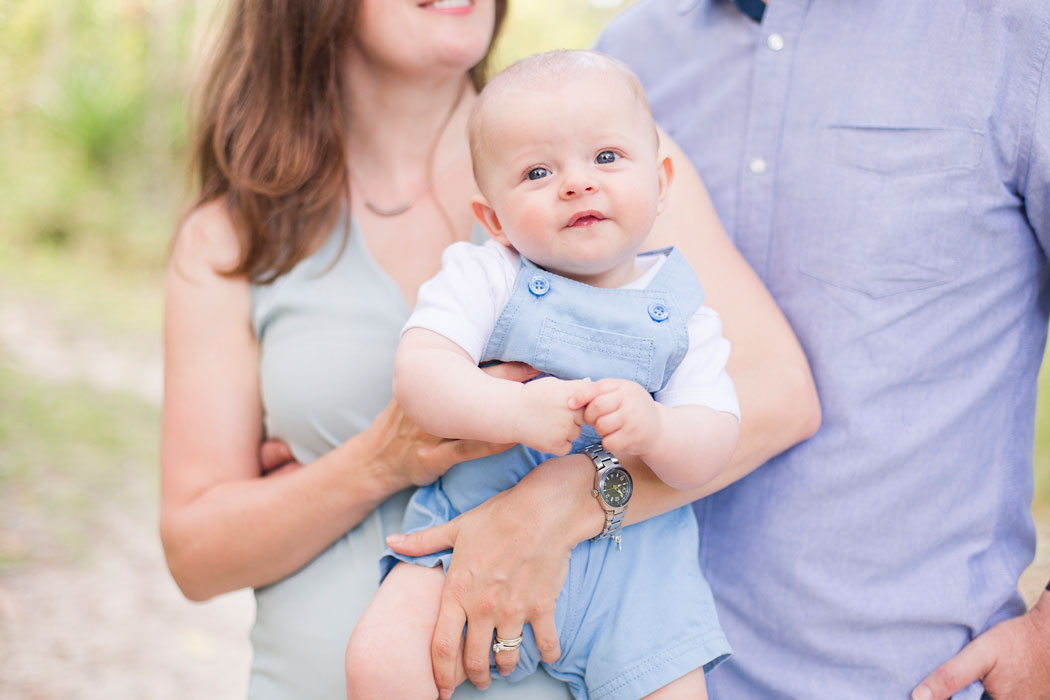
x=538 y=71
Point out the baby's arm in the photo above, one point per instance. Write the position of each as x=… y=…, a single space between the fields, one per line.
x=445 y=393
x=686 y=446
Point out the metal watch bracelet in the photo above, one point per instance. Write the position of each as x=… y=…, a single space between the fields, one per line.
x=604 y=461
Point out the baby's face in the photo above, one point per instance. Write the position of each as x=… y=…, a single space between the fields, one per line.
x=572 y=173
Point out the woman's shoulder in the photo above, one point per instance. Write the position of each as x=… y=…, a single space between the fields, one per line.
x=206 y=241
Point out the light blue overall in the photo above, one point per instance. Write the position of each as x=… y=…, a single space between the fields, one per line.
x=629 y=621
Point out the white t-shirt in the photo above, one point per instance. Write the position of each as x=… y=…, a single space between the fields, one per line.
x=465 y=299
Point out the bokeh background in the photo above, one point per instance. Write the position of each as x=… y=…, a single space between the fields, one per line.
x=93 y=98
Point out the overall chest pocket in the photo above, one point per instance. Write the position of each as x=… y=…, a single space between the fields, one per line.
x=573 y=352
x=894 y=203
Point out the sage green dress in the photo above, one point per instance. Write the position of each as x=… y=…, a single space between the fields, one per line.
x=327 y=332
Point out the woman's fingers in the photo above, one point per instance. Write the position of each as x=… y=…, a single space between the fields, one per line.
x=418 y=456
x=546 y=633
x=514 y=371
x=274 y=455
x=465 y=450
x=477 y=646
x=505 y=645
x=422 y=542
x=445 y=646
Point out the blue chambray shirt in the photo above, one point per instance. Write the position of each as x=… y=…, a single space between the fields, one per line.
x=885 y=168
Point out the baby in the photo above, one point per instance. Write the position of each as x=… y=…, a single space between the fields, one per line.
x=566 y=155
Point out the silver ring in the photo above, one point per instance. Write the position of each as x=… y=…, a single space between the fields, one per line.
x=506 y=644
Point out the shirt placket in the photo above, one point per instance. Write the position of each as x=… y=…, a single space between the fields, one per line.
x=774 y=52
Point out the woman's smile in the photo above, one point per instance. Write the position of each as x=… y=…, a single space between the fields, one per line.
x=450 y=7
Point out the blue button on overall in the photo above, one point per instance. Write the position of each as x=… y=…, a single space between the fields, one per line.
x=658 y=312
x=539 y=285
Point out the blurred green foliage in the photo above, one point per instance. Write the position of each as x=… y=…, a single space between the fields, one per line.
x=92 y=126
x=542 y=25
x=1041 y=502
x=93 y=101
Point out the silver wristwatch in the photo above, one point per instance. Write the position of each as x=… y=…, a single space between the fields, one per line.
x=612 y=487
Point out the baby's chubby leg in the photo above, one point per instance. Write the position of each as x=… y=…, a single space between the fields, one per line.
x=691 y=686
x=389 y=652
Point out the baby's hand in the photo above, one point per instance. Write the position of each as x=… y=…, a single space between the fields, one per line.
x=622 y=412
x=544 y=420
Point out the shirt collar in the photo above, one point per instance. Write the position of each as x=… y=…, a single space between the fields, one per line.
x=752 y=8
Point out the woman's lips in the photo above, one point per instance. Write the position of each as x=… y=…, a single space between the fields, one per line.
x=585 y=218
x=449 y=7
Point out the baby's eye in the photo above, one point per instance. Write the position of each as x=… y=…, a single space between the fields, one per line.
x=537 y=173
x=606 y=157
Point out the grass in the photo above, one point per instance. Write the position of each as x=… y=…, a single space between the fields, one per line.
x=66 y=452
x=86 y=284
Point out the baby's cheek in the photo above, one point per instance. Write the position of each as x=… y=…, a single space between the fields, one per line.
x=639 y=209
x=533 y=221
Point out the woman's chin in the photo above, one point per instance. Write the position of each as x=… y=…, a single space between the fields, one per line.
x=451 y=60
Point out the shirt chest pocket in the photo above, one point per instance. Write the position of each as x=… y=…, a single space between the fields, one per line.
x=895 y=203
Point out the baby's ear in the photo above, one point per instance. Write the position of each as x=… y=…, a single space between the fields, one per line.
x=665 y=176
x=486 y=216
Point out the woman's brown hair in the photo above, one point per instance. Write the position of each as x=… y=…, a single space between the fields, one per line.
x=269 y=130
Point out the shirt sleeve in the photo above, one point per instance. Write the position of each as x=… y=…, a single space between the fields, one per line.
x=464 y=299
x=701 y=378
x=1036 y=183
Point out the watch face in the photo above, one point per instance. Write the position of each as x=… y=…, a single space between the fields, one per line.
x=616 y=487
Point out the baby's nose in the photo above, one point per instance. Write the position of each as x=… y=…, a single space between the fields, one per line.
x=572 y=189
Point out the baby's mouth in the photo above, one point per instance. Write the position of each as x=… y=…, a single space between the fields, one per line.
x=585 y=218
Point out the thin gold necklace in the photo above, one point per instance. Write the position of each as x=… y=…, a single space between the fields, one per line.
x=431 y=181
x=405 y=206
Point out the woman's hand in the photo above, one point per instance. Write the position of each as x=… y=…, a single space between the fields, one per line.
x=509 y=563
x=275 y=457
x=410 y=456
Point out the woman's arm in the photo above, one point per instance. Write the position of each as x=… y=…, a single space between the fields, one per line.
x=223 y=525
x=778 y=405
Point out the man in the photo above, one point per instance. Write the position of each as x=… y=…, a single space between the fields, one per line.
x=885 y=167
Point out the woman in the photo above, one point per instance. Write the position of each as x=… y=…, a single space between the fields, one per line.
x=279 y=315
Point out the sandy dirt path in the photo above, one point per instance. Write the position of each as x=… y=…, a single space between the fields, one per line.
x=109 y=622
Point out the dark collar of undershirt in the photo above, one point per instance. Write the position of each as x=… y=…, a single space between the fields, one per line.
x=752 y=8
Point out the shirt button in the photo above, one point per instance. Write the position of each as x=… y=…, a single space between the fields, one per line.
x=775 y=42
x=758 y=166
x=539 y=285
x=658 y=312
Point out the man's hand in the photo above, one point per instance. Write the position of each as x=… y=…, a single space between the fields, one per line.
x=1012 y=659
x=622 y=412
x=544 y=420
x=509 y=562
